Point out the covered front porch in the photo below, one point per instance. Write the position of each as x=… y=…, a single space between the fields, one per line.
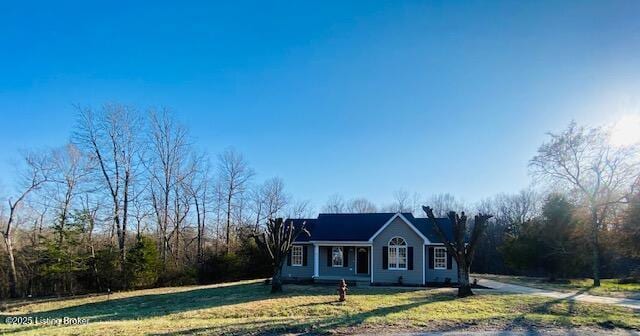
x=334 y=261
x=359 y=278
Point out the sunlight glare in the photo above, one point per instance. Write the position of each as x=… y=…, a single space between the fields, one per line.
x=626 y=131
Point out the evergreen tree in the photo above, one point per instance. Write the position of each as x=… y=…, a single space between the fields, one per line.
x=547 y=243
x=61 y=258
x=143 y=263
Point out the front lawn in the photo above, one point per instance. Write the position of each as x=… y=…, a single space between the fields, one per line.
x=608 y=287
x=248 y=308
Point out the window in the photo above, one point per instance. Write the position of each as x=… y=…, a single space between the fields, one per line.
x=296 y=255
x=397 y=254
x=440 y=257
x=336 y=257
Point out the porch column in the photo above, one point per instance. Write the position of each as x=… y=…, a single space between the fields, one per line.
x=371 y=263
x=316 y=260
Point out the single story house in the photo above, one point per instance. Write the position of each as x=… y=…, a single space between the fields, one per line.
x=376 y=248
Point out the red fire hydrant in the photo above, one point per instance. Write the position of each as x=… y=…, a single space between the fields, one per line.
x=342 y=290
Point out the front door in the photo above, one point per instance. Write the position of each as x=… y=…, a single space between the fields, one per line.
x=363 y=261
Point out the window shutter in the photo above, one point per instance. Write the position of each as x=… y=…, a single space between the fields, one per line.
x=449 y=263
x=410 y=257
x=430 y=257
x=345 y=256
x=385 y=257
x=304 y=255
x=289 y=258
x=329 y=251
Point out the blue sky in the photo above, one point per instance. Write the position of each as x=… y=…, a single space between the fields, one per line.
x=358 y=98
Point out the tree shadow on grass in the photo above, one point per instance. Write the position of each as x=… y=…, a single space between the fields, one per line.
x=307 y=327
x=154 y=305
x=310 y=326
x=522 y=322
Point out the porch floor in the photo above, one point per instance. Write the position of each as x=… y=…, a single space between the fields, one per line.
x=359 y=278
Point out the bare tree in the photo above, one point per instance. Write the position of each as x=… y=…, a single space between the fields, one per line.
x=68 y=174
x=35 y=176
x=441 y=204
x=510 y=211
x=234 y=177
x=300 y=209
x=268 y=200
x=335 y=204
x=401 y=201
x=517 y=209
x=275 y=198
x=69 y=170
x=218 y=211
x=181 y=208
x=168 y=168
x=598 y=174
x=459 y=249
x=257 y=206
x=91 y=212
x=110 y=137
x=416 y=202
x=361 y=205
x=198 y=187
x=277 y=241
x=141 y=207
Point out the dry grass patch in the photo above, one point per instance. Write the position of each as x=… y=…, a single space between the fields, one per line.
x=248 y=308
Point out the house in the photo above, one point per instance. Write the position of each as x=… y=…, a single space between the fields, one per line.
x=376 y=248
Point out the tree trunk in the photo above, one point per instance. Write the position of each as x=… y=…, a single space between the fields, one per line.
x=165 y=225
x=228 y=222
x=199 y=246
x=176 y=244
x=94 y=268
x=125 y=218
x=596 y=249
x=276 y=280
x=13 y=274
x=463 y=280
x=122 y=237
x=92 y=250
x=596 y=260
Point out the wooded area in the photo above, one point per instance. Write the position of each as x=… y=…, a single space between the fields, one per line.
x=130 y=202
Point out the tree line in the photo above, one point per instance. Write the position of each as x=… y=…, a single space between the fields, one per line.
x=130 y=203
x=583 y=207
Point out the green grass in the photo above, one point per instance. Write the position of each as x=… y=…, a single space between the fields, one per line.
x=248 y=308
x=608 y=287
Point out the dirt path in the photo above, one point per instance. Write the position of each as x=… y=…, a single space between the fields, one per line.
x=577 y=296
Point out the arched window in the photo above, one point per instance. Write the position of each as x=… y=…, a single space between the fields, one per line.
x=397 y=254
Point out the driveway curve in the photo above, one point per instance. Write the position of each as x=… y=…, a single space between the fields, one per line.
x=577 y=296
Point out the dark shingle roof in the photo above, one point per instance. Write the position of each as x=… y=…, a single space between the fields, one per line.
x=360 y=227
x=309 y=224
x=425 y=226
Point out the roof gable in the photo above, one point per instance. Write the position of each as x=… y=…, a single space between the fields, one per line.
x=406 y=221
